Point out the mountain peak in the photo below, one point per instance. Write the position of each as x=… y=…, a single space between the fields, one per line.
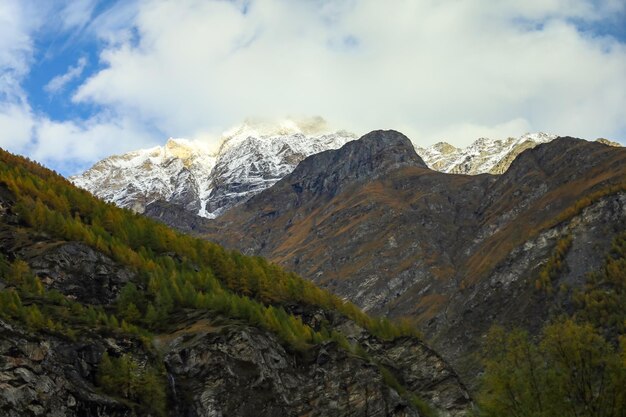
x=384 y=139
x=262 y=128
x=366 y=158
x=484 y=155
x=444 y=148
x=187 y=172
x=608 y=142
x=184 y=148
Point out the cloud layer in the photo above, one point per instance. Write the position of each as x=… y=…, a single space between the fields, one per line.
x=60 y=81
x=437 y=70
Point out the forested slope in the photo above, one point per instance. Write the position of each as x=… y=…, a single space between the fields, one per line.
x=115 y=314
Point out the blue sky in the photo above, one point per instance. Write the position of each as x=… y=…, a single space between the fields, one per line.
x=83 y=79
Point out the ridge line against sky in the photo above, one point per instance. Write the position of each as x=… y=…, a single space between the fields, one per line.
x=84 y=79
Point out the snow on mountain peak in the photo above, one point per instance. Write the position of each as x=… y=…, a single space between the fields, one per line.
x=252 y=157
x=262 y=129
x=255 y=155
x=484 y=155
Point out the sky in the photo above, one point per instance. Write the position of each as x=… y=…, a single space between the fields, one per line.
x=84 y=79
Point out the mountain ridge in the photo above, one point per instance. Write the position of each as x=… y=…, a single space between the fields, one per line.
x=253 y=157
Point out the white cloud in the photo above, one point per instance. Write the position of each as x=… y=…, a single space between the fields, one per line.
x=438 y=69
x=76 y=13
x=435 y=70
x=16 y=47
x=70 y=145
x=60 y=81
x=66 y=145
x=16 y=124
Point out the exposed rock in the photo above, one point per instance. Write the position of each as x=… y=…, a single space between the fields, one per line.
x=49 y=377
x=608 y=142
x=365 y=159
x=416 y=366
x=239 y=371
x=507 y=295
x=175 y=215
x=73 y=268
x=492 y=156
x=77 y=270
x=253 y=157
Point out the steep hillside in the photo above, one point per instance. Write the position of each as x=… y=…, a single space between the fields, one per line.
x=104 y=312
x=457 y=252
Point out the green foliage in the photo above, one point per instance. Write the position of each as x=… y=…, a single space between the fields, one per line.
x=11 y=304
x=128 y=301
x=577 y=367
x=124 y=377
x=49 y=310
x=174 y=272
x=572 y=371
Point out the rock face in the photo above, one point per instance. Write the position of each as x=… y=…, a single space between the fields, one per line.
x=45 y=376
x=457 y=252
x=372 y=155
x=247 y=362
x=218 y=369
x=73 y=268
x=238 y=370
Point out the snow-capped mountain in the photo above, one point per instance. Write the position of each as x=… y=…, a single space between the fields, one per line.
x=251 y=158
x=485 y=155
x=176 y=172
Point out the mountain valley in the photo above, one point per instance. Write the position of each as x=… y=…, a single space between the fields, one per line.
x=448 y=253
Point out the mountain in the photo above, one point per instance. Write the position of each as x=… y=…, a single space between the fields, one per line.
x=492 y=156
x=251 y=158
x=176 y=172
x=107 y=313
x=459 y=253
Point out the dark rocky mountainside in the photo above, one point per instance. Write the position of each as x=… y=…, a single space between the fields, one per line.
x=221 y=368
x=325 y=174
x=75 y=314
x=459 y=253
